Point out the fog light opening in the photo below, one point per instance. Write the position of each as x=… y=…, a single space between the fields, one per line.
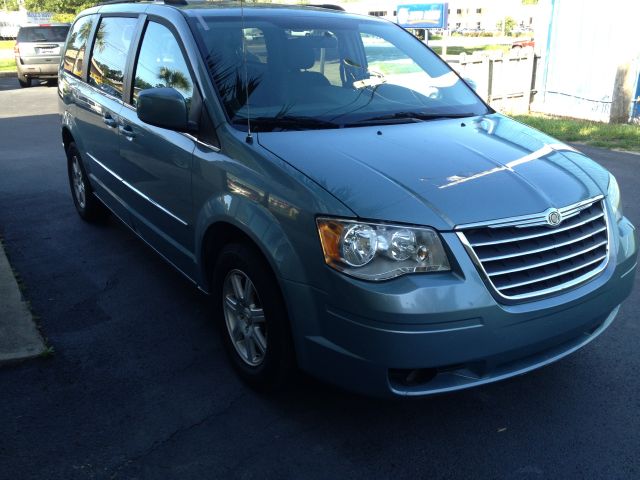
x=411 y=377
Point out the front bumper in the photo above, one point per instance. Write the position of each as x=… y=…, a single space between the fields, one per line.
x=427 y=334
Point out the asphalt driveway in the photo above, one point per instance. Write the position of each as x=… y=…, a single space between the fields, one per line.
x=139 y=387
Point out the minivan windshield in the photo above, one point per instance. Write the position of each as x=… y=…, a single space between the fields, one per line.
x=55 y=34
x=309 y=71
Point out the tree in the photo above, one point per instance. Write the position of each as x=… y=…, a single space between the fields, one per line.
x=509 y=25
x=11 y=5
x=58 y=6
x=174 y=78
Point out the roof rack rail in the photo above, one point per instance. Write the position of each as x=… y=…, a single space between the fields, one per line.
x=328 y=6
x=114 y=2
x=165 y=2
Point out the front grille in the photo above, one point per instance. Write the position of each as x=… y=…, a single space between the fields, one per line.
x=525 y=257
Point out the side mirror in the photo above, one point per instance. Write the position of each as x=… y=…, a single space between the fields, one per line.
x=472 y=83
x=163 y=107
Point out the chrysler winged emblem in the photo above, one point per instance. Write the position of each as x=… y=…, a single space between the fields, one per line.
x=553 y=217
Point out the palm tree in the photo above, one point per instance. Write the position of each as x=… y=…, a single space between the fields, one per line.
x=174 y=79
x=85 y=31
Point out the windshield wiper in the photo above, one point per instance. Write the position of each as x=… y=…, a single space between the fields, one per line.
x=285 y=122
x=408 y=117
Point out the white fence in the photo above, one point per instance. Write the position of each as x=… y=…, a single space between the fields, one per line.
x=506 y=82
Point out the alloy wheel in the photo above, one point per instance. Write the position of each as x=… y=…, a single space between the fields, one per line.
x=78 y=182
x=244 y=317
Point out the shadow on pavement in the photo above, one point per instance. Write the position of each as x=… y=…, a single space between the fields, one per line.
x=11 y=83
x=139 y=385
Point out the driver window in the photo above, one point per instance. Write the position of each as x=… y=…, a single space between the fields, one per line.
x=109 y=55
x=161 y=64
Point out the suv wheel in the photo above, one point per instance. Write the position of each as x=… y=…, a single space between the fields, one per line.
x=87 y=205
x=25 y=82
x=253 y=318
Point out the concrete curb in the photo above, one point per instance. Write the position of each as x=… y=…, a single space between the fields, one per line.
x=8 y=74
x=19 y=336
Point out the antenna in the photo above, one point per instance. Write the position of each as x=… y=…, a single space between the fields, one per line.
x=249 y=138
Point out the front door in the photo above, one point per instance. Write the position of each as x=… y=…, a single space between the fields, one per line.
x=156 y=161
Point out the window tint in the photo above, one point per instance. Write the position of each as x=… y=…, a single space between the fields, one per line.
x=109 y=55
x=161 y=64
x=76 y=45
x=326 y=57
x=43 y=34
x=334 y=69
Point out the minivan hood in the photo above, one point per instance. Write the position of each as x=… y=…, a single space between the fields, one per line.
x=462 y=170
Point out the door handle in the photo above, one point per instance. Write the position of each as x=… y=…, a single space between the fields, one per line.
x=127 y=131
x=109 y=120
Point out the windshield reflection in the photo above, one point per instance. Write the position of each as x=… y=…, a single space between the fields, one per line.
x=325 y=69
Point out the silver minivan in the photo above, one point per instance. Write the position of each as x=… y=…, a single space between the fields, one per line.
x=350 y=205
x=37 y=51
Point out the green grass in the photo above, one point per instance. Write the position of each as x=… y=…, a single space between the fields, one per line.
x=394 y=67
x=484 y=48
x=7 y=65
x=7 y=44
x=621 y=136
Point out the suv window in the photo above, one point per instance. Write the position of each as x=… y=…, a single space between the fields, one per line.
x=161 y=64
x=77 y=44
x=109 y=55
x=42 y=34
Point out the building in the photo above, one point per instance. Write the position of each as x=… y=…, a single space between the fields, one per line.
x=590 y=60
x=463 y=14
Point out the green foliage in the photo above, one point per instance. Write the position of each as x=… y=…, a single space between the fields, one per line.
x=509 y=25
x=58 y=6
x=608 y=135
x=7 y=65
x=63 y=17
x=174 y=78
x=11 y=5
x=529 y=2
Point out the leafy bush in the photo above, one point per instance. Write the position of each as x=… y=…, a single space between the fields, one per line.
x=64 y=17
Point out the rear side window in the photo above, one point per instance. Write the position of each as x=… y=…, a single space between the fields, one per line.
x=161 y=64
x=77 y=44
x=109 y=56
x=42 y=34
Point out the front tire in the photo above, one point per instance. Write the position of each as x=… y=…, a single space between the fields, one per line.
x=87 y=205
x=252 y=318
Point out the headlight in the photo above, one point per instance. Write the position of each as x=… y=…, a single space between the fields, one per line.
x=613 y=195
x=374 y=251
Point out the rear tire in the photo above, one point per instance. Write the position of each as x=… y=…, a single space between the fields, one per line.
x=87 y=204
x=25 y=82
x=252 y=318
